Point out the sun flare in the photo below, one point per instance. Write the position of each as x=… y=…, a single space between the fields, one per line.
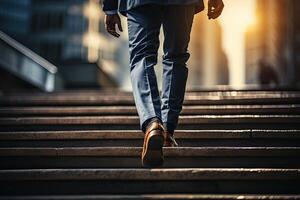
x=237 y=17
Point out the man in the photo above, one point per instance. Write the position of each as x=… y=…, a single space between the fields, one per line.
x=158 y=116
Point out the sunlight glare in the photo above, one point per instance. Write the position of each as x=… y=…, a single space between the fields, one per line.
x=238 y=15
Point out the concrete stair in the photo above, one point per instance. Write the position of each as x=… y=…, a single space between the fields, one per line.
x=127 y=99
x=86 y=145
x=153 y=196
x=134 y=138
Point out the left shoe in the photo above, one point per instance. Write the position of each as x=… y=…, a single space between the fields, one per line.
x=152 y=155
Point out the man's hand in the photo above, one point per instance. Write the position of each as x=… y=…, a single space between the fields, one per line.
x=215 y=8
x=111 y=21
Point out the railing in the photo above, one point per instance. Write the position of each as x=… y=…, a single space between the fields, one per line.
x=25 y=64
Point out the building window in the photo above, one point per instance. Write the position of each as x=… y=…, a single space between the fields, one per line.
x=47 y=21
x=102 y=28
x=47 y=1
x=77 y=24
x=73 y=50
x=51 y=51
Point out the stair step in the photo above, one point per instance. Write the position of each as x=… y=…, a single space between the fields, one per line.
x=128 y=100
x=157 y=196
x=137 y=134
x=134 y=138
x=151 y=174
x=88 y=157
x=241 y=92
x=97 y=94
x=132 y=122
x=141 y=181
x=168 y=151
x=131 y=110
x=229 y=92
x=197 y=119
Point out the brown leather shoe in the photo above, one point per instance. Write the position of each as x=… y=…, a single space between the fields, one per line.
x=152 y=155
x=169 y=140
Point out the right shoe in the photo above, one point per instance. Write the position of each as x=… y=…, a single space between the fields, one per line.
x=152 y=155
x=169 y=140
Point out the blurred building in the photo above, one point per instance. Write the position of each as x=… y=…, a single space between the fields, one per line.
x=271 y=44
x=68 y=33
x=294 y=42
x=208 y=65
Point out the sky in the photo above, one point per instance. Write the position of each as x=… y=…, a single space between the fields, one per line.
x=236 y=17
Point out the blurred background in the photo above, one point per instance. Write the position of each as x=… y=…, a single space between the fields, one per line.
x=53 y=45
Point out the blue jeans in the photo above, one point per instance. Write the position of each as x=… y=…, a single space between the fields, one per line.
x=144 y=24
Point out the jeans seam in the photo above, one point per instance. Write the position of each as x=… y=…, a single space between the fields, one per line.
x=170 y=89
x=147 y=77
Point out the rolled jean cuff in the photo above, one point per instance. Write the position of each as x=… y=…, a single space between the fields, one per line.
x=145 y=123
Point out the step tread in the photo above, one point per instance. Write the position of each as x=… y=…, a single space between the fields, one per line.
x=168 y=152
x=152 y=174
x=137 y=134
x=226 y=94
x=125 y=110
x=156 y=196
x=222 y=91
x=197 y=119
x=128 y=100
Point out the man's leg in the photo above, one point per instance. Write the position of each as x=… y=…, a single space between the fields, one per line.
x=144 y=24
x=177 y=23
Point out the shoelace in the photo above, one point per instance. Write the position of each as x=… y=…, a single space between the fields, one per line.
x=169 y=136
x=173 y=141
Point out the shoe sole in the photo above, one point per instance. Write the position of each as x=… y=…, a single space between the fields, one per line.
x=153 y=156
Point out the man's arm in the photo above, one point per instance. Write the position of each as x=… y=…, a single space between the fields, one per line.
x=215 y=8
x=110 y=7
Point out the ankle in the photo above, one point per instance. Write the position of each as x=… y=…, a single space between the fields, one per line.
x=169 y=128
x=148 y=123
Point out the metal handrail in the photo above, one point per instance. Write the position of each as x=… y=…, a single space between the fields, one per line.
x=28 y=53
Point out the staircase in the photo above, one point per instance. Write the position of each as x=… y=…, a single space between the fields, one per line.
x=86 y=145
